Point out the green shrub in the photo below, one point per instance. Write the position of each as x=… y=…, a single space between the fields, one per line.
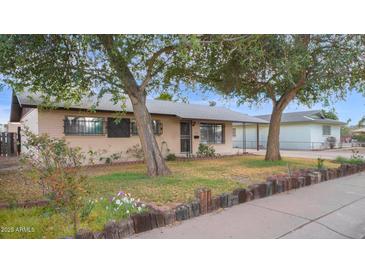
x=171 y=157
x=111 y=158
x=356 y=158
x=320 y=163
x=54 y=165
x=352 y=161
x=360 y=138
x=205 y=151
x=136 y=151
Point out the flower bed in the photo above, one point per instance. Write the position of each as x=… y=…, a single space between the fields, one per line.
x=205 y=203
x=117 y=207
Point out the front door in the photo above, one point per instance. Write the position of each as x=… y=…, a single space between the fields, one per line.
x=185 y=137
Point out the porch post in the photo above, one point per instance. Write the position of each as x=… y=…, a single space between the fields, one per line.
x=257 y=137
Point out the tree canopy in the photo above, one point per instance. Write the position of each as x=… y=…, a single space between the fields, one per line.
x=281 y=68
x=67 y=67
x=361 y=122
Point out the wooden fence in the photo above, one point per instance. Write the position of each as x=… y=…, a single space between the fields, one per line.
x=9 y=144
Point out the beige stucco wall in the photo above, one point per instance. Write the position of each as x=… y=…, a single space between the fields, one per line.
x=12 y=127
x=51 y=122
x=224 y=149
x=29 y=120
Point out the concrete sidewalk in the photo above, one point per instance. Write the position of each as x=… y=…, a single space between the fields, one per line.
x=333 y=209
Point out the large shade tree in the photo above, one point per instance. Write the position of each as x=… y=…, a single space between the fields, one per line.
x=281 y=69
x=66 y=68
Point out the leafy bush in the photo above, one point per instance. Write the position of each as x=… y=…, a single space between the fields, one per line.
x=111 y=158
x=360 y=138
x=92 y=154
x=353 y=161
x=205 y=151
x=320 y=163
x=136 y=152
x=171 y=157
x=52 y=164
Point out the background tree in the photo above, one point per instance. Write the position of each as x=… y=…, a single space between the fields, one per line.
x=346 y=130
x=280 y=68
x=165 y=96
x=330 y=114
x=66 y=68
x=175 y=95
x=361 y=122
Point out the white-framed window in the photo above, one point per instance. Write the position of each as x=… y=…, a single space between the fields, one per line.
x=326 y=130
x=234 y=132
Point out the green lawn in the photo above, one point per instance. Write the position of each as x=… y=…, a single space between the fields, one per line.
x=220 y=175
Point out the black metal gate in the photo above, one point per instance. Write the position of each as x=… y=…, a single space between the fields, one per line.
x=185 y=137
x=9 y=144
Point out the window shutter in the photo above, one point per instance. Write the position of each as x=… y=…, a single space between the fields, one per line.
x=118 y=129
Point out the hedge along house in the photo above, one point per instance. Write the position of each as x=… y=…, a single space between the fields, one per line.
x=179 y=127
x=305 y=130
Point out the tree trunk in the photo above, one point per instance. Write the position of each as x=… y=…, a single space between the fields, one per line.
x=273 y=145
x=155 y=162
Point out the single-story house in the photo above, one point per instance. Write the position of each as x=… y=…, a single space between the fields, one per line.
x=359 y=131
x=179 y=127
x=305 y=130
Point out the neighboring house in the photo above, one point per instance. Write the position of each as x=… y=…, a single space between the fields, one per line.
x=305 y=130
x=358 y=138
x=179 y=127
x=359 y=131
x=13 y=127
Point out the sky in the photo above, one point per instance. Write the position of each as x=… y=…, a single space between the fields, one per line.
x=353 y=107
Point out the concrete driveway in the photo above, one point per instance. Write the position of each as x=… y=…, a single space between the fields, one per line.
x=333 y=209
x=330 y=154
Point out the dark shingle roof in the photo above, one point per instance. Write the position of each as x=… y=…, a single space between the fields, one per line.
x=312 y=116
x=182 y=110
